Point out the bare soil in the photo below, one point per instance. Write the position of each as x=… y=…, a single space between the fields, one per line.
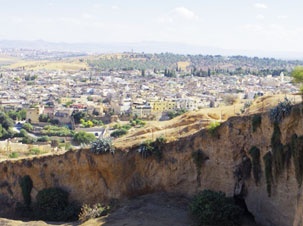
x=159 y=209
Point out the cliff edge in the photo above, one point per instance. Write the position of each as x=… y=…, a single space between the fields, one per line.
x=252 y=157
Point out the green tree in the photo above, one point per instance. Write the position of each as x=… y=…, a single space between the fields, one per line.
x=214 y=208
x=5 y=121
x=52 y=204
x=22 y=114
x=3 y=132
x=79 y=115
x=118 y=133
x=297 y=75
x=28 y=126
x=43 y=118
x=84 y=138
x=13 y=115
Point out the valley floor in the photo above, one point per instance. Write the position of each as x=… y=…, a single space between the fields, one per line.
x=147 y=210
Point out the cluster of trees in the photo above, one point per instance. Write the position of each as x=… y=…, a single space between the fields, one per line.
x=7 y=122
x=121 y=130
x=84 y=138
x=297 y=75
x=201 y=73
x=5 y=126
x=173 y=114
x=169 y=73
x=139 y=62
x=52 y=130
x=207 y=64
x=81 y=117
x=17 y=115
x=30 y=77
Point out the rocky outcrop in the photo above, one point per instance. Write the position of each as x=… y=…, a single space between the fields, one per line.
x=224 y=163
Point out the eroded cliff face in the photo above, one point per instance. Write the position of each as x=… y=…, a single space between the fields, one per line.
x=91 y=178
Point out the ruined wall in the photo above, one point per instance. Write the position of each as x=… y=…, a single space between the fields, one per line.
x=91 y=178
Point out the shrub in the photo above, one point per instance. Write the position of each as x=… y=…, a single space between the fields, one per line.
x=54 y=121
x=52 y=205
x=118 y=133
x=86 y=123
x=27 y=126
x=256 y=122
x=97 y=122
x=214 y=208
x=229 y=99
x=149 y=148
x=137 y=122
x=146 y=149
x=282 y=110
x=26 y=185
x=157 y=148
x=52 y=198
x=27 y=140
x=102 y=146
x=51 y=130
x=23 y=133
x=44 y=118
x=90 y=212
x=34 y=151
x=212 y=127
x=68 y=146
x=173 y=114
x=84 y=138
x=13 y=155
x=126 y=127
x=117 y=126
x=43 y=139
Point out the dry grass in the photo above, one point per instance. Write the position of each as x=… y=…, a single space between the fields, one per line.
x=5 y=60
x=184 y=125
x=191 y=122
x=267 y=102
x=183 y=65
x=64 y=65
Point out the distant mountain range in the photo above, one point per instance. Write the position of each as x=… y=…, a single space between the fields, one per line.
x=145 y=46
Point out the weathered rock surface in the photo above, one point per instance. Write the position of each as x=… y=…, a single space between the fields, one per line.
x=91 y=178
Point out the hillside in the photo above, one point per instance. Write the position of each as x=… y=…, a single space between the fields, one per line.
x=191 y=122
x=64 y=65
x=271 y=194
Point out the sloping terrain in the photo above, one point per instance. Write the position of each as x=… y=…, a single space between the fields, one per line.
x=93 y=178
x=181 y=126
x=191 y=122
x=64 y=65
x=159 y=209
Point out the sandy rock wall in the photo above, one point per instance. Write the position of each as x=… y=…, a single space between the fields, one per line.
x=91 y=178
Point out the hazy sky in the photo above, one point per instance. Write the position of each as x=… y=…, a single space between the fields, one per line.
x=234 y=24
